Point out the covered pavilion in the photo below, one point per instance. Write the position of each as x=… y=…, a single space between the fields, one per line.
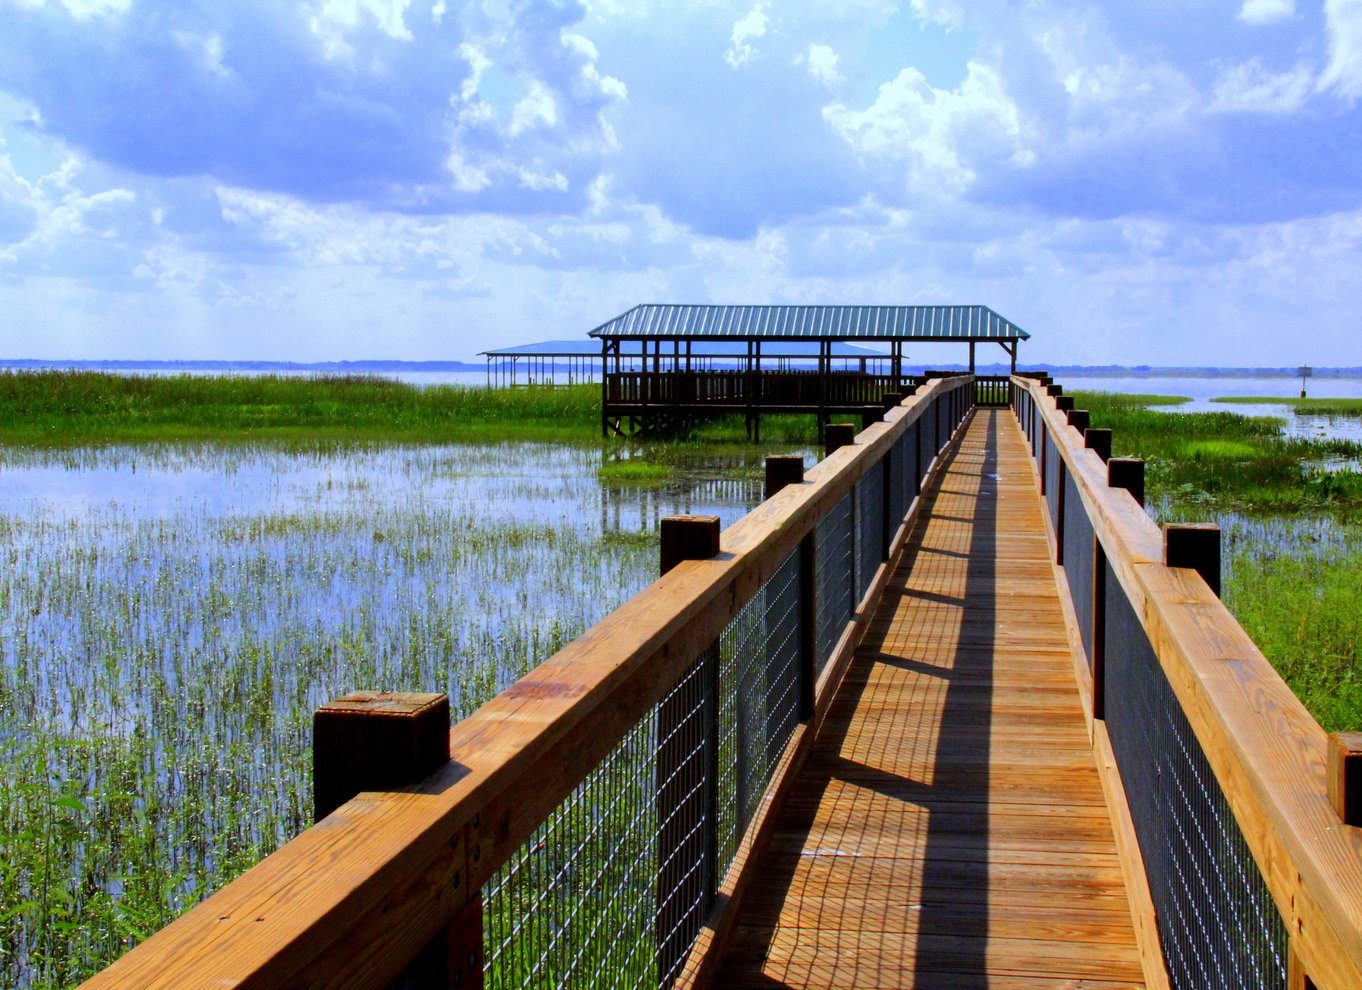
x=672 y=388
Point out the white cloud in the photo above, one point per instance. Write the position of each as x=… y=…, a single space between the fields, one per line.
x=334 y=20
x=535 y=109
x=81 y=9
x=1344 y=71
x=746 y=29
x=937 y=134
x=1266 y=11
x=1251 y=88
x=822 y=63
x=206 y=49
x=540 y=181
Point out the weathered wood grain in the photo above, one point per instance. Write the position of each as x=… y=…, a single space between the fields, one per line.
x=1268 y=754
x=952 y=789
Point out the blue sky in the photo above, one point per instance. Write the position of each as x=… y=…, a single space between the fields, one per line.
x=1152 y=182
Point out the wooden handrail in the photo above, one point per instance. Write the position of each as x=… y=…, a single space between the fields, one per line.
x=1266 y=751
x=350 y=900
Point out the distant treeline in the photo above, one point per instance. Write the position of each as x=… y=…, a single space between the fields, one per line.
x=380 y=367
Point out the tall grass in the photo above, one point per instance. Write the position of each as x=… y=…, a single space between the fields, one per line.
x=1320 y=406
x=67 y=408
x=1292 y=538
x=1294 y=585
x=1225 y=461
x=169 y=621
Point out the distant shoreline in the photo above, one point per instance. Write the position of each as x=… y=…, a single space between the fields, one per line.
x=378 y=367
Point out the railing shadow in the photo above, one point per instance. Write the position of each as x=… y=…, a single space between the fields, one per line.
x=954 y=920
x=862 y=909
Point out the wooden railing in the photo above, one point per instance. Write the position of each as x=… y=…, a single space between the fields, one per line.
x=1227 y=794
x=720 y=671
x=992 y=390
x=737 y=388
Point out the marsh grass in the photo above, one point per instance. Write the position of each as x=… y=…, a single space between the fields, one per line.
x=170 y=616
x=1321 y=406
x=1291 y=536
x=1225 y=461
x=71 y=408
x=1294 y=586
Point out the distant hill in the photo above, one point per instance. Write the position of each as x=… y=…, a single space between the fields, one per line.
x=340 y=367
x=380 y=367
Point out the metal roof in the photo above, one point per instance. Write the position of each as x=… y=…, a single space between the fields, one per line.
x=812 y=323
x=549 y=348
x=711 y=348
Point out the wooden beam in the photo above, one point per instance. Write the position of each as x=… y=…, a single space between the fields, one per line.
x=1344 y=775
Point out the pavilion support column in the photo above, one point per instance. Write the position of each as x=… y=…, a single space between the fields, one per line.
x=824 y=349
x=971 y=357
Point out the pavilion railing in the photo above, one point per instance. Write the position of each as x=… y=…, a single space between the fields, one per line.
x=1248 y=877
x=591 y=821
x=741 y=388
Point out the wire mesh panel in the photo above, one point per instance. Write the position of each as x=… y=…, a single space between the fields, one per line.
x=576 y=904
x=1078 y=562
x=833 y=564
x=612 y=889
x=1217 y=922
x=898 y=481
x=758 y=701
x=1053 y=469
x=869 y=494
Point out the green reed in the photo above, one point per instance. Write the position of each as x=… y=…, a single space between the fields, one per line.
x=1224 y=461
x=65 y=408
x=1291 y=538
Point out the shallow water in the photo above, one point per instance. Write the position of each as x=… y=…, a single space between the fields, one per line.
x=171 y=616
x=1201 y=390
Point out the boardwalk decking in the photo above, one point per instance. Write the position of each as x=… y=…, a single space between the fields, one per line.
x=949 y=828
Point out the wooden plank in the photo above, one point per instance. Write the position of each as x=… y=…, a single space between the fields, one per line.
x=951 y=791
x=1266 y=751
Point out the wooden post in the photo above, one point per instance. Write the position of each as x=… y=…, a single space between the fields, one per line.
x=1098 y=440
x=1194 y=545
x=1055 y=390
x=376 y=741
x=1079 y=419
x=1127 y=473
x=688 y=538
x=892 y=399
x=1064 y=402
x=1296 y=977
x=685 y=812
x=870 y=416
x=782 y=470
x=1345 y=776
x=836 y=436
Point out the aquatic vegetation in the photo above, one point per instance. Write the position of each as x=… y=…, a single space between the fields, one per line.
x=1291 y=543
x=1321 y=406
x=1228 y=461
x=170 y=617
x=64 y=408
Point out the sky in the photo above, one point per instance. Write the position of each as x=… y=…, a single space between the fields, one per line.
x=1145 y=182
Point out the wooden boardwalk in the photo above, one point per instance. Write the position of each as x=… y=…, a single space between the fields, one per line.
x=949 y=829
